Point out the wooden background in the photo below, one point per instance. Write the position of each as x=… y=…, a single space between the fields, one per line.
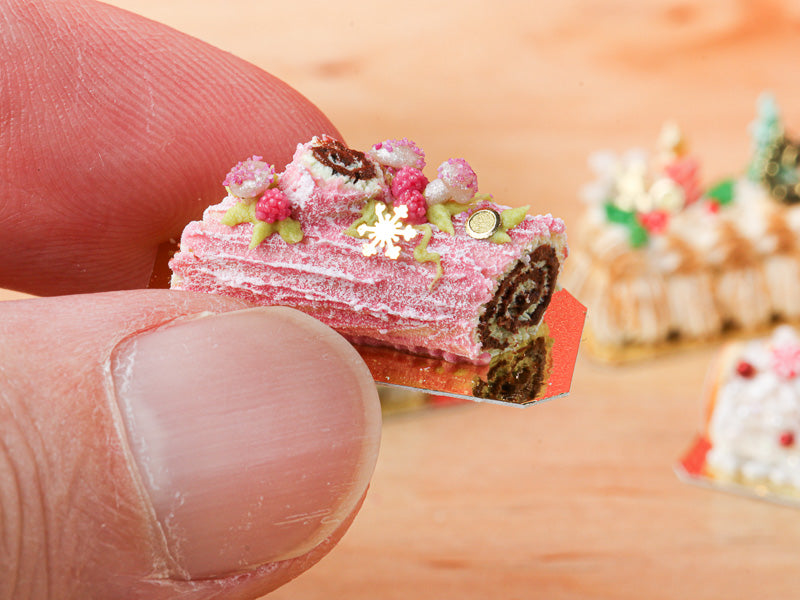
x=575 y=498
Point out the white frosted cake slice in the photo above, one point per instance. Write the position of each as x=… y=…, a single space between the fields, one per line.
x=753 y=425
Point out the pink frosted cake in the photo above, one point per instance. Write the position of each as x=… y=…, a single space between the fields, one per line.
x=753 y=399
x=664 y=262
x=366 y=244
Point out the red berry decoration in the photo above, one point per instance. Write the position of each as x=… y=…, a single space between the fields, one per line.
x=417 y=206
x=745 y=369
x=408 y=179
x=787 y=439
x=655 y=221
x=273 y=206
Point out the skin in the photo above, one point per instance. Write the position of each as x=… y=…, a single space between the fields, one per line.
x=104 y=160
x=103 y=163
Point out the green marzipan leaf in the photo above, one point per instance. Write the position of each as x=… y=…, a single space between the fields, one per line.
x=500 y=237
x=245 y=212
x=241 y=212
x=481 y=197
x=290 y=231
x=261 y=231
x=513 y=216
x=368 y=217
x=440 y=216
x=422 y=254
x=454 y=207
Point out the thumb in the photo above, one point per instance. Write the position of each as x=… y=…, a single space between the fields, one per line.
x=156 y=444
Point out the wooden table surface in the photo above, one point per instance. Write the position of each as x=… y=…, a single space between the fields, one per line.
x=575 y=498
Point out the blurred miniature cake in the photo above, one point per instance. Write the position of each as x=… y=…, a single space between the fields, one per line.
x=663 y=262
x=364 y=242
x=753 y=399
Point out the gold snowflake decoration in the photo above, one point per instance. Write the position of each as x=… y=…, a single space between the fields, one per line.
x=386 y=231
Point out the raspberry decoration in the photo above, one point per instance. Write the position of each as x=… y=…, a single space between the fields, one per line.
x=745 y=369
x=416 y=204
x=408 y=179
x=273 y=206
x=786 y=439
x=655 y=221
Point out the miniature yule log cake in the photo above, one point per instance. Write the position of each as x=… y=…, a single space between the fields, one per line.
x=753 y=426
x=663 y=262
x=364 y=242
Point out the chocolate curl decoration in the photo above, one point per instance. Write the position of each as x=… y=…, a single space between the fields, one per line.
x=343 y=160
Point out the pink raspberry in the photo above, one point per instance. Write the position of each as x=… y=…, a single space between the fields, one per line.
x=273 y=206
x=408 y=179
x=417 y=206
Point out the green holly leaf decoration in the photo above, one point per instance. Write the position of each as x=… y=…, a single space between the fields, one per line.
x=241 y=212
x=261 y=231
x=368 y=217
x=290 y=230
x=722 y=192
x=637 y=235
x=500 y=237
x=245 y=212
x=512 y=217
x=441 y=217
x=422 y=254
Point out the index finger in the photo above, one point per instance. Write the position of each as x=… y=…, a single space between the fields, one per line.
x=118 y=131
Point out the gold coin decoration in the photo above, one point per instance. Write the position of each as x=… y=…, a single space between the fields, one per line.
x=483 y=223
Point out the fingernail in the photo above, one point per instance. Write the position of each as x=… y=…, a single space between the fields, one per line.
x=255 y=434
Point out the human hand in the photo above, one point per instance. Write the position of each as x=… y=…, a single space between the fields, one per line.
x=155 y=444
